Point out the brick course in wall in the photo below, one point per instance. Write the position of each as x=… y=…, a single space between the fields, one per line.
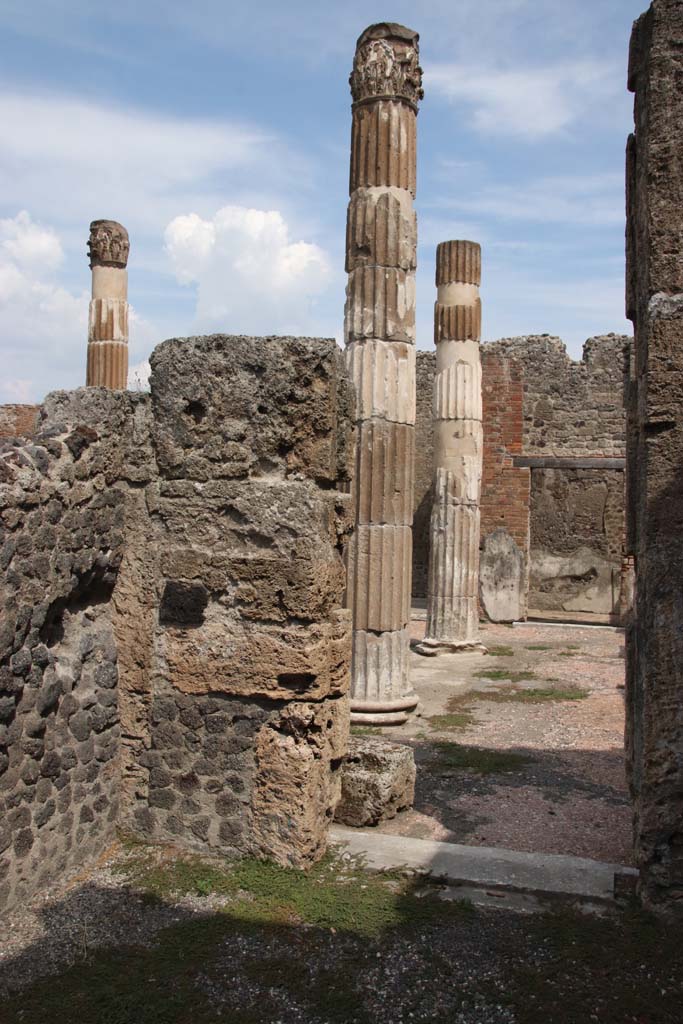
x=18 y=420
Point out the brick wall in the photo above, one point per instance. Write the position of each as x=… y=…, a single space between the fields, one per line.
x=504 y=488
x=18 y=420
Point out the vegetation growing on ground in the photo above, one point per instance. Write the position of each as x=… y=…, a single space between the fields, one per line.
x=449 y=757
x=339 y=945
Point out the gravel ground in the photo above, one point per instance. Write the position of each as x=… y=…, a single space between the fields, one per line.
x=570 y=796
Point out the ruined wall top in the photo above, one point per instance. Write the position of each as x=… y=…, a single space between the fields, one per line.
x=108 y=245
x=387 y=64
x=571 y=407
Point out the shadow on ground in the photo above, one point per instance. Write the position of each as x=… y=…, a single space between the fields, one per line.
x=187 y=940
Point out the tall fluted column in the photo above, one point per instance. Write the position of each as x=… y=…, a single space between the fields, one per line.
x=380 y=337
x=108 y=247
x=452 y=597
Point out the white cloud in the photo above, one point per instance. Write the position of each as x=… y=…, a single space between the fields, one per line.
x=531 y=103
x=250 y=276
x=42 y=322
x=588 y=200
x=136 y=166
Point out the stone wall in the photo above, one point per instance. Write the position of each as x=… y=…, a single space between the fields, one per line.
x=62 y=543
x=654 y=300
x=571 y=408
x=174 y=652
x=570 y=411
x=241 y=718
x=18 y=420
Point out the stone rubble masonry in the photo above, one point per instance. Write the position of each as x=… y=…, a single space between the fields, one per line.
x=550 y=538
x=654 y=677
x=107 y=364
x=377 y=781
x=174 y=654
x=453 y=582
x=61 y=543
x=379 y=330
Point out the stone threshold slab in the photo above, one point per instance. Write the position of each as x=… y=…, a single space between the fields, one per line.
x=553 y=874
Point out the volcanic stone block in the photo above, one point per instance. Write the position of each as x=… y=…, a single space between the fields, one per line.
x=266 y=421
x=298 y=780
x=377 y=781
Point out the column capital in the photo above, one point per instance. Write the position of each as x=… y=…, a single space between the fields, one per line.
x=387 y=65
x=108 y=245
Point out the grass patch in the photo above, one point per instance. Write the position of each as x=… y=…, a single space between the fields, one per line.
x=452 y=720
x=332 y=894
x=449 y=757
x=538 y=695
x=365 y=730
x=539 y=647
x=500 y=651
x=497 y=674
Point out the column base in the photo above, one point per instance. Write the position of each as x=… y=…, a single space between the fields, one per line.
x=433 y=648
x=390 y=712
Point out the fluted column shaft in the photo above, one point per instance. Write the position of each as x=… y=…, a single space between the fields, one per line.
x=107 y=364
x=452 y=599
x=379 y=328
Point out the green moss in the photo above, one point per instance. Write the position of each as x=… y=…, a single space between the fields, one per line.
x=501 y=673
x=452 y=720
x=501 y=651
x=450 y=757
x=332 y=894
x=537 y=695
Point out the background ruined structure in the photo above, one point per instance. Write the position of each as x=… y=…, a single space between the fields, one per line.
x=552 y=506
x=174 y=652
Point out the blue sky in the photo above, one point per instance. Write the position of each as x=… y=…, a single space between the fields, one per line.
x=218 y=133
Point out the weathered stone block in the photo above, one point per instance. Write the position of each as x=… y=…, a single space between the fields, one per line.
x=377 y=781
x=232 y=407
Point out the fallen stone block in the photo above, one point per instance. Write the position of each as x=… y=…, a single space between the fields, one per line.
x=378 y=781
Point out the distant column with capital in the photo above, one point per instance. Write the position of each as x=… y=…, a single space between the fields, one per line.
x=381 y=240
x=108 y=248
x=452 y=593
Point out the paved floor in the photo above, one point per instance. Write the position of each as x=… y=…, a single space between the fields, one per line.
x=540 y=772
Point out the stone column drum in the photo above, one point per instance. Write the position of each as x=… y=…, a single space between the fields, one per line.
x=108 y=247
x=380 y=338
x=452 y=595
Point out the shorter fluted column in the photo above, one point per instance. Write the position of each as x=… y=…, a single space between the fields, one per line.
x=452 y=598
x=108 y=247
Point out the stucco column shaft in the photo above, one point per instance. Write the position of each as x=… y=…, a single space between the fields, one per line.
x=108 y=247
x=452 y=597
x=379 y=328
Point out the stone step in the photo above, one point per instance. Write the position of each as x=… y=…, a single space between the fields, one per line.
x=542 y=873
